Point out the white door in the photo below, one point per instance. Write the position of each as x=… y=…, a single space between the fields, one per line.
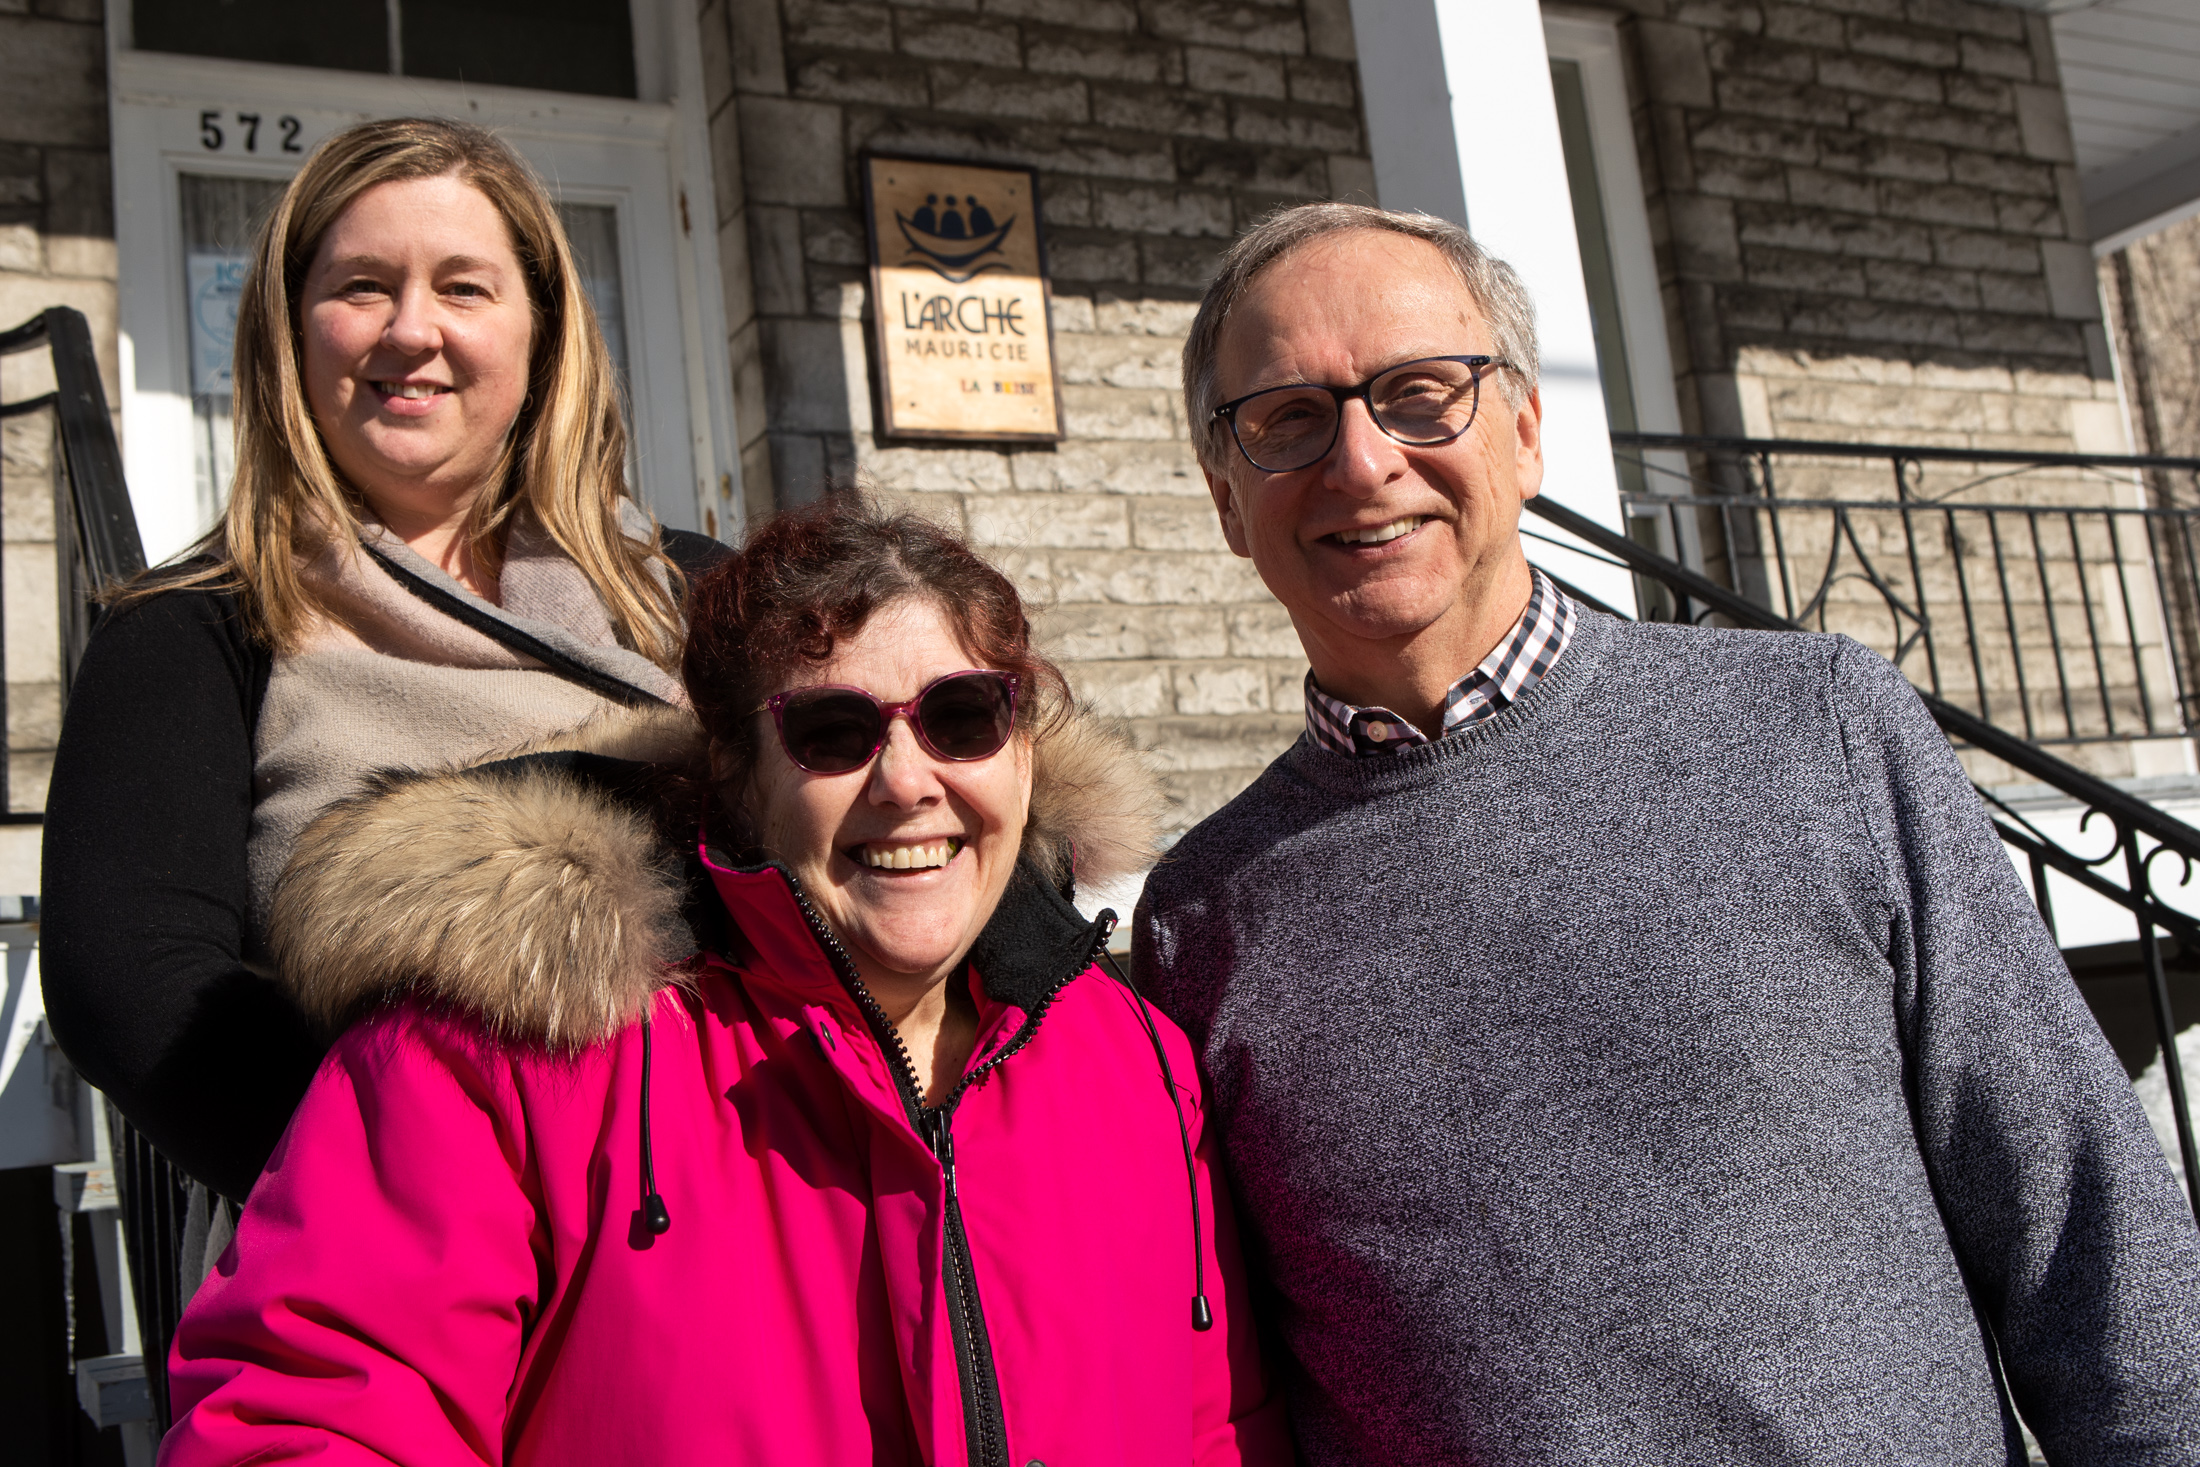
x=202 y=145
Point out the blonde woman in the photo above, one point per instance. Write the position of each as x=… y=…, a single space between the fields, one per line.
x=429 y=555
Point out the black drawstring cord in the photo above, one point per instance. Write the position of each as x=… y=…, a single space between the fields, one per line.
x=654 y=1215
x=1203 y=1317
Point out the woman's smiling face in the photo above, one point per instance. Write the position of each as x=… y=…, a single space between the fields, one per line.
x=951 y=829
x=417 y=332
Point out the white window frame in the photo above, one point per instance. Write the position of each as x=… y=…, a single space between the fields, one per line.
x=1592 y=42
x=649 y=158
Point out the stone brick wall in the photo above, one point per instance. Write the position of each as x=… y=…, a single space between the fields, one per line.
x=1868 y=228
x=1869 y=223
x=56 y=248
x=2151 y=289
x=1159 y=131
x=2152 y=292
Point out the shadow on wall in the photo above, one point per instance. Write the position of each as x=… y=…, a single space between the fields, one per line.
x=2152 y=292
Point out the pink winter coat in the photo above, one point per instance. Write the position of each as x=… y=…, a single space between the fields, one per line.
x=447 y=1261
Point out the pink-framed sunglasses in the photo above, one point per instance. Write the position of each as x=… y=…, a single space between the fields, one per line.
x=830 y=729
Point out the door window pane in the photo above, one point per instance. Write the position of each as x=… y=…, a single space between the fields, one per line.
x=548 y=45
x=219 y=217
x=345 y=35
x=594 y=231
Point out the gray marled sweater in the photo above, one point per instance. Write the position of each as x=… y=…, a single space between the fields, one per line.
x=1673 y=1070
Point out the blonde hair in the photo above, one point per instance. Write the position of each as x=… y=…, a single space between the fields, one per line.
x=565 y=458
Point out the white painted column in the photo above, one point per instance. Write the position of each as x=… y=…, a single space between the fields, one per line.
x=1462 y=125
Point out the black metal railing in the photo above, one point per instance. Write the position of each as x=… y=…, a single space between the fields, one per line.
x=2123 y=872
x=2063 y=616
x=95 y=531
x=96 y=545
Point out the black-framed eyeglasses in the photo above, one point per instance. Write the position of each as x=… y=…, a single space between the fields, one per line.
x=831 y=729
x=1421 y=403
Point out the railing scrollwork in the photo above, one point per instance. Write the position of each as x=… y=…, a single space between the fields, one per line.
x=2071 y=617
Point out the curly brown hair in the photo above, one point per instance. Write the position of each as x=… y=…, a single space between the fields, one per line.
x=808 y=577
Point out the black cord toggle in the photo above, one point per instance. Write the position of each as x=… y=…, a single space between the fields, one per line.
x=654 y=1214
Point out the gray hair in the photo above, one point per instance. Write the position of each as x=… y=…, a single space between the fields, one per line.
x=1494 y=287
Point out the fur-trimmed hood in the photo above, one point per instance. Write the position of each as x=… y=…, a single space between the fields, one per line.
x=542 y=892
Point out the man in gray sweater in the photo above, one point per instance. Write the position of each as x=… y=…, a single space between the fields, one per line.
x=1630 y=1042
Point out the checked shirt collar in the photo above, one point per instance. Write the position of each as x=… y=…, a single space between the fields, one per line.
x=1515 y=665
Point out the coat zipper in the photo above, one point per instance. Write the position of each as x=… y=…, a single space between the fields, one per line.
x=985 y=1428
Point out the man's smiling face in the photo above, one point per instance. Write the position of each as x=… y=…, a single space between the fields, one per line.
x=1378 y=541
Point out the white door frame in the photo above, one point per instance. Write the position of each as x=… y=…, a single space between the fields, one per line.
x=640 y=155
x=1592 y=40
x=1594 y=43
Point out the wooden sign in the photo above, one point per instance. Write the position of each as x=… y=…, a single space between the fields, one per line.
x=959 y=295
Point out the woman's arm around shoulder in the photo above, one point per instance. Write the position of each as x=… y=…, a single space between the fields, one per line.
x=696 y=555
x=145 y=936
x=374 y=1303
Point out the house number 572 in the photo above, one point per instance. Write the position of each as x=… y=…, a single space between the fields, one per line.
x=217 y=129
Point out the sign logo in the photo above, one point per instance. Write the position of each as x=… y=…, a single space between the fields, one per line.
x=958 y=301
x=951 y=243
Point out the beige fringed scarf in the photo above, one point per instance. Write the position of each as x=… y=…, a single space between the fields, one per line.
x=391 y=681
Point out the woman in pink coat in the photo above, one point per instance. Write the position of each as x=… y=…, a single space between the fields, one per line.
x=885 y=1171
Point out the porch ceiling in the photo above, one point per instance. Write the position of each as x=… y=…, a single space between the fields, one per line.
x=2131 y=75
